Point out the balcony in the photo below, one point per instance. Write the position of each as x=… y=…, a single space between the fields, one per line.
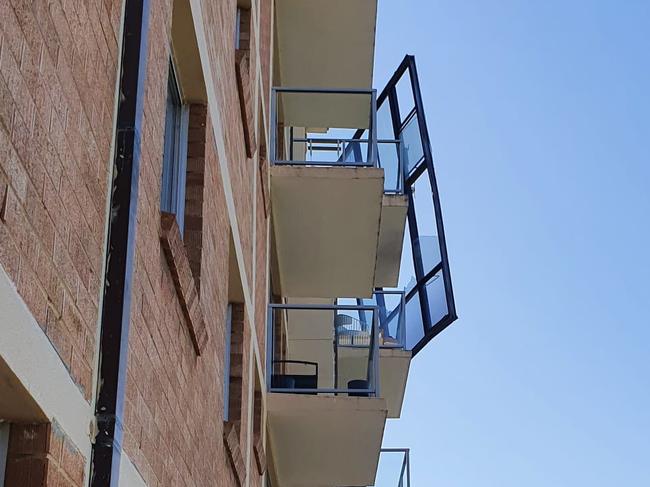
x=394 y=468
x=325 y=412
x=339 y=210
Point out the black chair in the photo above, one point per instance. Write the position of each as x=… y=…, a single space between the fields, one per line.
x=359 y=384
x=296 y=381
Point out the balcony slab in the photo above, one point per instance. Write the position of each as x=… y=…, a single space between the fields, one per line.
x=391 y=238
x=325 y=441
x=326 y=222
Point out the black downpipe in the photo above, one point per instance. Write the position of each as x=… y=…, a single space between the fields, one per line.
x=116 y=304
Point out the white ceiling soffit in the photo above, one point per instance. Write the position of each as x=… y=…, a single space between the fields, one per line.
x=326 y=43
x=185 y=52
x=339 y=110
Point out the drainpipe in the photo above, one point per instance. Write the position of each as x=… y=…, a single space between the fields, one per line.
x=116 y=303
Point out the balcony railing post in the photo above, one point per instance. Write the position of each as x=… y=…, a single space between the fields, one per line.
x=408 y=468
x=374 y=160
x=375 y=351
x=274 y=124
x=270 y=347
x=402 y=319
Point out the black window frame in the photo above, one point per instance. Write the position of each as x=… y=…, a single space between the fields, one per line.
x=425 y=164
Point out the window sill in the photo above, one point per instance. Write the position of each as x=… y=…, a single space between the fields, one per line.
x=188 y=295
x=260 y=456
x=242 y=71
x=231 y=440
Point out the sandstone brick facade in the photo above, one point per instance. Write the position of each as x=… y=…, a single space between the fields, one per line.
x=58 y=69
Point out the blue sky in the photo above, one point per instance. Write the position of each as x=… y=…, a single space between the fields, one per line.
x=539 y=113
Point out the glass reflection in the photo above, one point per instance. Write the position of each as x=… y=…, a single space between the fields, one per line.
x=411 y=144
x=414 y=324
x=436 y=298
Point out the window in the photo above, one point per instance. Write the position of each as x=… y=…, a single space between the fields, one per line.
x=4 y=446
x=242 y=28
x=424 y=271
x=232 y=388
x=172 y=194
x=226 y=368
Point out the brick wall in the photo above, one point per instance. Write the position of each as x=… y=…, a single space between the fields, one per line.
x=58 y=61
x=57 y=77
x=174 y=409
x=41 y=455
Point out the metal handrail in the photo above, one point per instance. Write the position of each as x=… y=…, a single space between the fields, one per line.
x=298 y=362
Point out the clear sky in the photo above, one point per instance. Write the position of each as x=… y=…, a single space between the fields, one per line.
x=539 y=114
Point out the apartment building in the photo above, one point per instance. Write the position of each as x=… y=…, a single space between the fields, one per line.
x=220 y=245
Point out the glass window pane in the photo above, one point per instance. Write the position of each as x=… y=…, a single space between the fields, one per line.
x=425 y=216
x=389 y=470
x=406 y=280
x=390 y=319
x=172 y=115
x=385 y=122
x=405 y=96
x=436 y=298
x=411 y=145
x=172 y=194
x=414 y=325
x=389 y=161
x=388 y=152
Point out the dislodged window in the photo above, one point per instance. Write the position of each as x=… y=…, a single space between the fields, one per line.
x=424 y=272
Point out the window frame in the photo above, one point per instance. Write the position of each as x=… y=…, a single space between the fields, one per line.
x=5 y=430
x=226 y=366
x=175 y=139
x=407 y=72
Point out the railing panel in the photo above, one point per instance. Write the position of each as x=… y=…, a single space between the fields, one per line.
x=323 y=349
x=394 y=469
x=390 y=308
x=320 y=127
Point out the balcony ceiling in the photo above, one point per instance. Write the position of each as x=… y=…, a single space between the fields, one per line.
x=325 y=44
x=16 y=402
